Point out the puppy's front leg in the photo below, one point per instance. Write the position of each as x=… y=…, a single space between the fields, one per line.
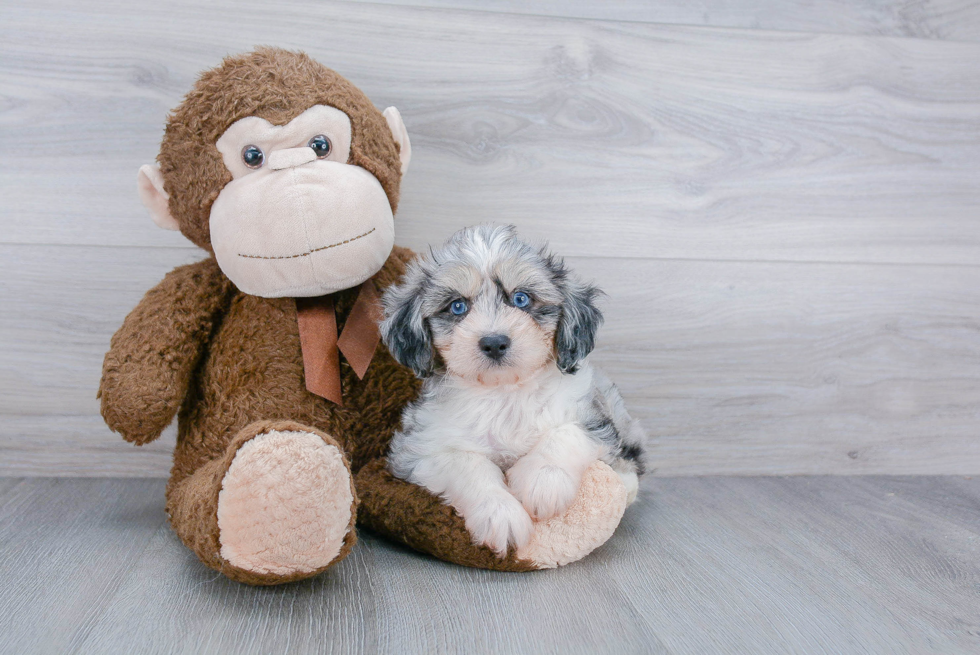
x=548 y=477
x=475 y=487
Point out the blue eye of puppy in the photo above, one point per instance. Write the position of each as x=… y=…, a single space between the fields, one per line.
x=521 y=299
x=458 y=307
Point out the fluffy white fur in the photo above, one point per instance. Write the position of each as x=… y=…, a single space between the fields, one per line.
x=504 y=440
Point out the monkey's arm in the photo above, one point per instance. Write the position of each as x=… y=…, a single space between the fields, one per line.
x=410 y=514
x=147 y=370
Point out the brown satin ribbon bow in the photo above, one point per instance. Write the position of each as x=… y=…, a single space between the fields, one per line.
x=321 y=347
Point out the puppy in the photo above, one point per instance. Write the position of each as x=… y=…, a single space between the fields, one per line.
x=511 y=414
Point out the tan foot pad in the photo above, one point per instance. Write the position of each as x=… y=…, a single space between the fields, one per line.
x=586 y=524
x=285 y=504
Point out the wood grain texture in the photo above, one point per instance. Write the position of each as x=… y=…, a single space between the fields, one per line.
x=66 y=548
x=699 y=565
x=955 y=20
x=78 y=445
x=736 y=368
x=639 y=140
x=785 y=222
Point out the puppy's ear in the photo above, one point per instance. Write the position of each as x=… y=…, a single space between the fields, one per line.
x=403 y=329
x=580 y=320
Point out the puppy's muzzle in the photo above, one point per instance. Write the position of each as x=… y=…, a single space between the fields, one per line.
x=495 y=346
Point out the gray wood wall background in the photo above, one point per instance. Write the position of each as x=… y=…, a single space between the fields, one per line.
x=781 y=199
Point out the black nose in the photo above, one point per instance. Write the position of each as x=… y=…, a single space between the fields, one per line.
x=495 y=346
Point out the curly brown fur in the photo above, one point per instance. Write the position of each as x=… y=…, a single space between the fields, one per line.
x=241 y=368
x=254 y=371
x=146 y=372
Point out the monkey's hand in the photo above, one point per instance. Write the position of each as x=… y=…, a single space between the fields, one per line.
x=147 y=370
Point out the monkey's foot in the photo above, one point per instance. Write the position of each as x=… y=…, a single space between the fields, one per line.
x=276 y=505
x=587 y=523
x=286 y=505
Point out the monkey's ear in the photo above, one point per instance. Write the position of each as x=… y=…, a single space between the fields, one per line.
x=149 y=183
x=397 y=127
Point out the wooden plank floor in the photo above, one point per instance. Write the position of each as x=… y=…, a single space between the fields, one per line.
x=699 y=565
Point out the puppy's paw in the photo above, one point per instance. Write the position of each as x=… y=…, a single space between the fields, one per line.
x=499 y=521
x=545 y=490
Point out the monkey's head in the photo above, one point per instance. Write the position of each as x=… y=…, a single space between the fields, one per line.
x=285 y=171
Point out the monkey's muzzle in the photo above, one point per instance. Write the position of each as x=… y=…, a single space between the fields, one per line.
x=301 y=227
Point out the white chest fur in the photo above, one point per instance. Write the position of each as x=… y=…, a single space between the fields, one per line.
x=503 y=422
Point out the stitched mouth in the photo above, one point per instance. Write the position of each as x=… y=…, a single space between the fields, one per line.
x=310 y=252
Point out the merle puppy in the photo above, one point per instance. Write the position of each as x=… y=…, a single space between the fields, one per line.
x=511 y=413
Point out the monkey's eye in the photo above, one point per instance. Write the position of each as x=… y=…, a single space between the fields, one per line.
x=320 y=145
x=253 y=156
x=458 y=307
x=521 y=299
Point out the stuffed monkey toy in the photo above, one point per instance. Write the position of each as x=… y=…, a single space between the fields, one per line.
x=267 y=351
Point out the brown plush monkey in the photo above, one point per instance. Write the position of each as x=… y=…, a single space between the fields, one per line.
x=288 y=176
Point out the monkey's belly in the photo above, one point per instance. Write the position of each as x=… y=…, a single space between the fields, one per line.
x=254 y=371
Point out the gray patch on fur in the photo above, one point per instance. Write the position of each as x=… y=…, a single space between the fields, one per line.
x=608 y=413
x=403 y=331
